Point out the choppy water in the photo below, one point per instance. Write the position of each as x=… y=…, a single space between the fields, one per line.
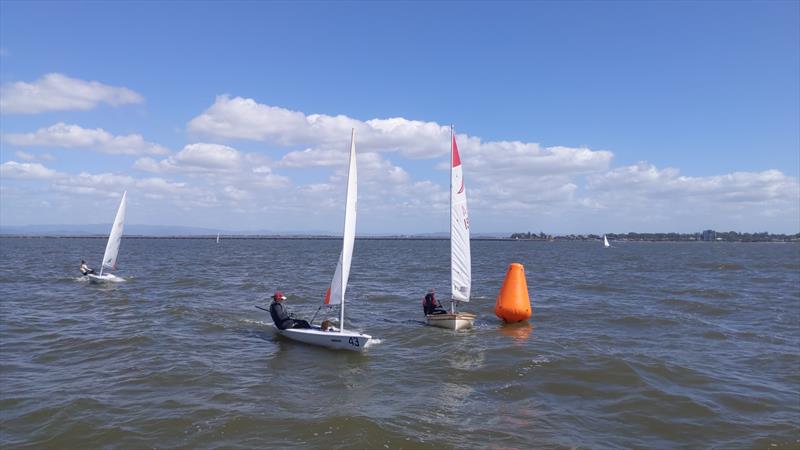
x=643 y=345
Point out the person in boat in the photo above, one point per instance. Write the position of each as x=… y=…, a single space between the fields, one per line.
x=326 y=326
x=85 y=269
x=432 y=306
x=283 y=319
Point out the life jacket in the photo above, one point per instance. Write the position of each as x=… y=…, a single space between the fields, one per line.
x=429 y=303
x=279 y=316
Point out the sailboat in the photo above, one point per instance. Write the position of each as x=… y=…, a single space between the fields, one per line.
x=112 y=247
x=341 y=338
x=605 y=242
x=460 y=261
x=217 y=238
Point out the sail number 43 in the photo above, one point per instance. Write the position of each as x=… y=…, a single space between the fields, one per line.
x=354 y=341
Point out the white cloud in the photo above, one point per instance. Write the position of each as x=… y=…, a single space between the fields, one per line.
x=647 y=198
x=57 y=92
x=27 y=171
x=194 y=158
x=646 y=181
x=314 y=157
x=328 y=138
x=237 y=174
x=73 y=136
x=25 y=156
x=243 y=118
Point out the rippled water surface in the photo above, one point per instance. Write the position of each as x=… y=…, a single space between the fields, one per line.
x=656 y=345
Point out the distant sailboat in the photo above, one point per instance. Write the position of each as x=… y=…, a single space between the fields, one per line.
x=112 y=247
x=339 y=339
x=460 y=259
x=217 y=238
x=605 y=242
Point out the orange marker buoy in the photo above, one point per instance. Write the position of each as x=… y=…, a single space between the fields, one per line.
x=513 y=303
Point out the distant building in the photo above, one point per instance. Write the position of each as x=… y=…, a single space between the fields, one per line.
x=708 y=235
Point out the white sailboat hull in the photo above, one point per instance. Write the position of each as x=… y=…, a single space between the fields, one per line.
x=336 y=340
x=104 y=278
x=458 y=321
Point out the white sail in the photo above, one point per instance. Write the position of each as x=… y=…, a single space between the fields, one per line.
x=114 y=238
x=460 y=262
x=339 y=283
x=217 y=238
x=605 y=241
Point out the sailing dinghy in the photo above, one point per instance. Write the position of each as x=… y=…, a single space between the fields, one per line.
x=460 y=261
x=605 y=242
x=112 y=248
x=341 y=338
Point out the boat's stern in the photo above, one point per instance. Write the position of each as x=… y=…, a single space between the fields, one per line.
x=458 y=321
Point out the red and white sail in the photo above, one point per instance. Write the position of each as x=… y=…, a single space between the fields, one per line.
x=460 y=260
x=338 y=287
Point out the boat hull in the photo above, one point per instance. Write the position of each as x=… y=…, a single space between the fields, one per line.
x=104 y=278
x=335 y=340
x=458 y=321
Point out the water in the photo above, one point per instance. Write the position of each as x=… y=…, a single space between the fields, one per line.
x=668 y=345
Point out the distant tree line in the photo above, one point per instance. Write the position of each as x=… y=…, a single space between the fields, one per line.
x=726 y=236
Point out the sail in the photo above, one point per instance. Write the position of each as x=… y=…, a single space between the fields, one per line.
x=460 y=262
x=114 y=238
x=339 y=283
x=605 y=241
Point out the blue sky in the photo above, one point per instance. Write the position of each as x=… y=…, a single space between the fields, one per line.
x=572 y=116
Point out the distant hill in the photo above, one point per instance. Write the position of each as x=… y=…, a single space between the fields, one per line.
x=136 y=230
x=102 y=229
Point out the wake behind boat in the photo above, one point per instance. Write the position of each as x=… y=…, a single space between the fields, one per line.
x=460 y=259
x=341 y=338
x=112 y=248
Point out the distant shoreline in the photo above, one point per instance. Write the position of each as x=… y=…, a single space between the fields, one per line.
x=788 y=239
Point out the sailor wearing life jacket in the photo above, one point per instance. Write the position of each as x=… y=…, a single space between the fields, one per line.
x=279 y=315
x=85 y=269
x=430 y=305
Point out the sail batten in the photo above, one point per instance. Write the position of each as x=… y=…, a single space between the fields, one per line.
x=460 y=260
x=342 y=273
x=115 y=237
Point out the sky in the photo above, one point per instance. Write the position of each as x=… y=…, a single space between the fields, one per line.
x=570 y=117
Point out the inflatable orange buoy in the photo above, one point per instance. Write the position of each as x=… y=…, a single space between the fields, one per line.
x=513 y=303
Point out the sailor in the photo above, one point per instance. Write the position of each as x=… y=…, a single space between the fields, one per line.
x=430 y=305
x=85 y=269
x=282 y=319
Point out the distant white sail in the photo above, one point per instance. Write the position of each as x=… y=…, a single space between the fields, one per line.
x=115 y=237
x=605 y=241
x=340 y=277
x=460 y=261
x=217 y=238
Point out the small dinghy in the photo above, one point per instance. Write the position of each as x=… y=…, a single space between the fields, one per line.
x=112 y=248
x=460 y=260
x=341 y=338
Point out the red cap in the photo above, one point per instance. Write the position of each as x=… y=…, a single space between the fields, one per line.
x=278 y=295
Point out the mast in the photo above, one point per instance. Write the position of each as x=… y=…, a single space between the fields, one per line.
x=452 y=297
